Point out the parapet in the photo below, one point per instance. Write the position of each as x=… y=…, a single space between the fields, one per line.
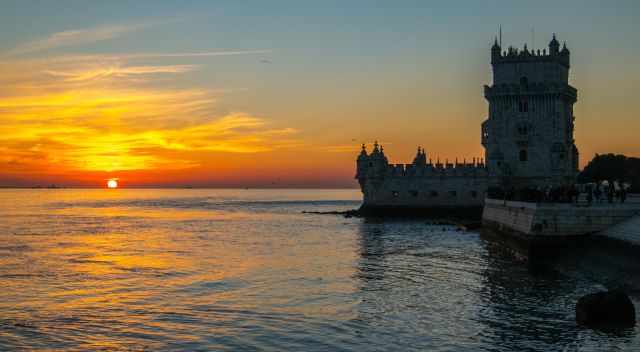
x=531 y=88
x=512 y=55
x=437 y=170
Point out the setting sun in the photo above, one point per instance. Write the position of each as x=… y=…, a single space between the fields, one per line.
x=113 y=183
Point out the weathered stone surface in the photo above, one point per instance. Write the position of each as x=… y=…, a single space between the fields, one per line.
x=606 y=309
x=550 y=219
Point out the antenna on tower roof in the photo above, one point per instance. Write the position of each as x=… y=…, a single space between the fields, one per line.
x=533 y=37
x=500 y=30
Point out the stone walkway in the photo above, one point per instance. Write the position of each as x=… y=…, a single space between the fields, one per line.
x=627 y=231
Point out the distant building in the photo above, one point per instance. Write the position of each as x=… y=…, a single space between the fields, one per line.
x=528 y=140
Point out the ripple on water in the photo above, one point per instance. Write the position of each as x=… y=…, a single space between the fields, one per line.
x=245 y=270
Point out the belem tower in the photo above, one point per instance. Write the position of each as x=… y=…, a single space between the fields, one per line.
x=527 y=137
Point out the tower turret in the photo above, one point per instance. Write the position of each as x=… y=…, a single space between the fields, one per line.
x=528 y=135
x=554 y=46
x=495 y=51
x=421 y=157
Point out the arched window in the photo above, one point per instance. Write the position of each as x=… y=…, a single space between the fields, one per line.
x=523 y=155
x=524 y=81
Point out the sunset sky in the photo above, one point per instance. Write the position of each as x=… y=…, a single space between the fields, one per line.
x=281 y=94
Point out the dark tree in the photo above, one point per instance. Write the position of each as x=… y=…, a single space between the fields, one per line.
x=613 y=167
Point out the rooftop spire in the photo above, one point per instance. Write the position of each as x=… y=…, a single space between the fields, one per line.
x=495 y=46
x=554 y=46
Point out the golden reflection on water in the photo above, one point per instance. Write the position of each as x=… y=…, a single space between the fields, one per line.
x=245 y=270
x=153 y=269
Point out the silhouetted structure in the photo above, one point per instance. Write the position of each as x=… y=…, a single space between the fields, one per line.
x=528 y=140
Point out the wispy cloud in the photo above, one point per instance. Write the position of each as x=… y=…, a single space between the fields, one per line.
x=79 y=36
x=117 y=71
x=196 y=54
x=103 y=117
x=113 y=112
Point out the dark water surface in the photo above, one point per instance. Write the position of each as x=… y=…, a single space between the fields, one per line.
x=245 y=270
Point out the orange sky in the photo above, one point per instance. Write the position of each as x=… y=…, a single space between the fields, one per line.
x=175 y=101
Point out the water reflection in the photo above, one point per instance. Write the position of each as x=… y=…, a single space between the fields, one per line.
x=138 y=270
x=462 y=291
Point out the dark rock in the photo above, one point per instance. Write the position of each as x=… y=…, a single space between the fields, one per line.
x=607 y=309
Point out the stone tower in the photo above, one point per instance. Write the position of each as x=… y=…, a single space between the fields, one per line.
x=528 y=136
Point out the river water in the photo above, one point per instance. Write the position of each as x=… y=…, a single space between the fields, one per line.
x=199 y=270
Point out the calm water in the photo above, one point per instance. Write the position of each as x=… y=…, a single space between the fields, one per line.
x=245 y=270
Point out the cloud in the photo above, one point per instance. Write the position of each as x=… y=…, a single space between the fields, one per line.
x=196 y=54
x=102 y=72
x=78 y=37
x=113 y=112
x=101 y=118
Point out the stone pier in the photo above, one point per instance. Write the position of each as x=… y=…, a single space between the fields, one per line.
x=560 y=221
x=627 y=231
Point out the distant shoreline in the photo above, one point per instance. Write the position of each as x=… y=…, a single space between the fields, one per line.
x=178 y=187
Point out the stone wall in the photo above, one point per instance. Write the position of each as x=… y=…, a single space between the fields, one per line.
x=551 y=219
x=425 y=192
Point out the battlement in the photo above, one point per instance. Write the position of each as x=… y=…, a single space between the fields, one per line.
x=375 y=165
x=507 y=89
x=515 y=55
x=436 y=170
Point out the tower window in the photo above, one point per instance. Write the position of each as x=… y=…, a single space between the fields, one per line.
x=523 y=106
x=524 y=81
x=523 y=155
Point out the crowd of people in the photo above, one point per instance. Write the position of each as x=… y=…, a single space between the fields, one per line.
x=613 y=191
x=599 y=192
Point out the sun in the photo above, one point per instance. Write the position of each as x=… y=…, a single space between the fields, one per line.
x=112 y=183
